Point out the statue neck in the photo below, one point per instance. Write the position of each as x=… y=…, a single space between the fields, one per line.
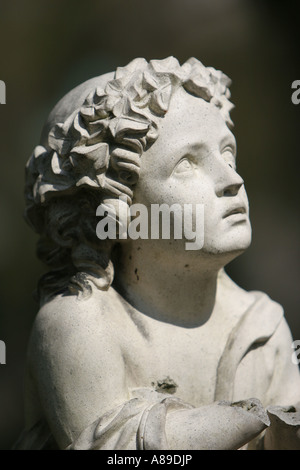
x=170 y=290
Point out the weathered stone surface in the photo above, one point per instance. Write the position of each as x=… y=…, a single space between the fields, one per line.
x=145 y=343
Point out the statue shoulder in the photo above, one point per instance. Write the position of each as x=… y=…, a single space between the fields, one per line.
x=74 y=352
x=240 y=300
x=66 y=323
x=233 y=296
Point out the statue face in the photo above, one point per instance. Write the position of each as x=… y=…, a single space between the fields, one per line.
x=193 y=162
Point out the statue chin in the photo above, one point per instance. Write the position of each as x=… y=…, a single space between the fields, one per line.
x=230 y=246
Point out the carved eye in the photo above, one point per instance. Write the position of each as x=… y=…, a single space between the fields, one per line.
x=228 y=155
x=128 y=177
x=184 y=166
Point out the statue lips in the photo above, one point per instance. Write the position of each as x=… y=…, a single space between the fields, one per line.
x=237 y=211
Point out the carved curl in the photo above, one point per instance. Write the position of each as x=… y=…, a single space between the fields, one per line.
x=93 y=157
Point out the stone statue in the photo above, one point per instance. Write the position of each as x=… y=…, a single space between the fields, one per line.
x=140 y=343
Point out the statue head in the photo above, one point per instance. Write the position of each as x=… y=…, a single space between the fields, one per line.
x=91 y=151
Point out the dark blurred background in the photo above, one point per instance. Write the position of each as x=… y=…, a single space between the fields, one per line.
x=47 y=48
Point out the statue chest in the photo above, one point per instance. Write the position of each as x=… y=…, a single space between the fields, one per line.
x=178 y=362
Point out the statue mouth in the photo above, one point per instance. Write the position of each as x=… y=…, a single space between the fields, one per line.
x=235 y=210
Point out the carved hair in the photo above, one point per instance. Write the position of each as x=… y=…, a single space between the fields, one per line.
x=86 y=161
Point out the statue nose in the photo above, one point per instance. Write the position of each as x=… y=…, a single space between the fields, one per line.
x=232 y=190
x=229 y=183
